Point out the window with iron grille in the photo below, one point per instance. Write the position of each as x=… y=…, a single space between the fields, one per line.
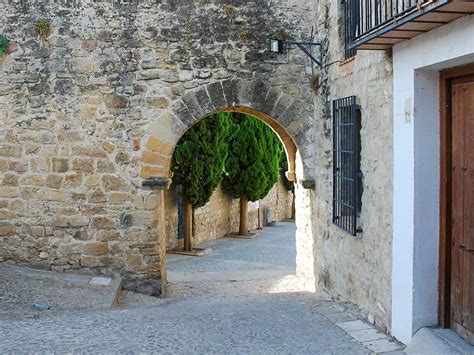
x=347 y=176
x=351 y=10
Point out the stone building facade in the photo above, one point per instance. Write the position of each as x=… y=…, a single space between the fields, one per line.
x=357 y=269
x=93 y=109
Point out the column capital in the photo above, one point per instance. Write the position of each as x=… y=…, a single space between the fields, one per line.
x=157 y=183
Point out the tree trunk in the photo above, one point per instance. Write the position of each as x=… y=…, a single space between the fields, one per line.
x=188 y=226
x=244 y=216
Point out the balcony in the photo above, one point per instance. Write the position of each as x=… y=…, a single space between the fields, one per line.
x=379 y=24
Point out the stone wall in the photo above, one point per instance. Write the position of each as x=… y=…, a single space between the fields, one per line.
x=357 y=269
x=220 y=216
x=89 y=112
x=94 y=108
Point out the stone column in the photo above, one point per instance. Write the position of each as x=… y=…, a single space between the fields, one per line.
x=161 y=184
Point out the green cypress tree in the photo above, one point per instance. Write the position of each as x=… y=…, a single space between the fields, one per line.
x=198 y=163
x=252 y=167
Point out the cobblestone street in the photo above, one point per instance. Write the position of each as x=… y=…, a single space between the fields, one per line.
x=232 y=313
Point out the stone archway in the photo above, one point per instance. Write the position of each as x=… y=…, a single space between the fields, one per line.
x=284 y=113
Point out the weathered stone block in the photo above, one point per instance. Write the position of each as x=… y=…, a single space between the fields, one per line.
x=72 y=180
x=10 y=180
x=93 y=181
x=54 y=181
x=83 y=166
x=149 y=74
x=153 y=158
x=216 y=93
x=7 y=228
x=149 y=171
x=79 y=221
x=96 y=248
x=109 y=147
x=38 y=231
x=156 y=145
x=19 y=167
x=122 y=158
x=88 y=261
x=10 y=151
x=97 y=197
x=4 y=166
x=54 y=195
x=60 y=222
x=182 y=113
x=88 y=113
x=115 y=101
x=102 y=223
x=10 y=192
x=158 y=101
x=114 y=183
x=105 y=166
x=81 y=235
x=204 y=101
x=35 y=180
x=93 y=152
x=260 y=91
x=134 y=262
x=118 y=198
x=60 y=165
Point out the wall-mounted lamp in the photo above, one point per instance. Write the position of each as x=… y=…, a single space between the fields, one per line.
x=279 y=46
x=275 y=46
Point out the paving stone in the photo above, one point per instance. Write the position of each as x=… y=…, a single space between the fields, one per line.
x=354 y=325
x=366 y=335
x=341 y=317
x=382 y=345
x=101 y=281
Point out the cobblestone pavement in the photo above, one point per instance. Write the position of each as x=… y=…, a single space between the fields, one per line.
x=270 y=255
x=288 y=323
x=247 y=316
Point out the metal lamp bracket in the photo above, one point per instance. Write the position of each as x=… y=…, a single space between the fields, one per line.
x=304 y=47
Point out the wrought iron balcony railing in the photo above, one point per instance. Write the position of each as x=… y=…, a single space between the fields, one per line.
x=379 y=24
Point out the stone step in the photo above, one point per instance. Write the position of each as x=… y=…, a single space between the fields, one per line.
x=436 y=341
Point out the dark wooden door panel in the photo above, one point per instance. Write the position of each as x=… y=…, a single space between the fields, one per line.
x=467 y=99
x=462 y=206
x=468 y=292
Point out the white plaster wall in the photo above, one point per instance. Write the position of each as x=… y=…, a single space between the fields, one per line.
x=416 y=170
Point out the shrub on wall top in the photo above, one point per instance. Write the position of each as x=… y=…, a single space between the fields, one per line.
x=3 y=45
x=43 y=28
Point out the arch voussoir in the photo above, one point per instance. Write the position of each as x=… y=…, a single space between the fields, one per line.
x=244 y=93
x=228 y=87
x=182 y=113
x=216 y=94
x=194 y=106
x=285 y=101
x=204 y=101
x=260 y=91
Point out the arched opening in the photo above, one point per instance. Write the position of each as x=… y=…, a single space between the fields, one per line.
x=288 y=143
x=220 y=217
x=289 y=118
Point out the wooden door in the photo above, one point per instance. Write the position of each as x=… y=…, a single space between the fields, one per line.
x=462 y=206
